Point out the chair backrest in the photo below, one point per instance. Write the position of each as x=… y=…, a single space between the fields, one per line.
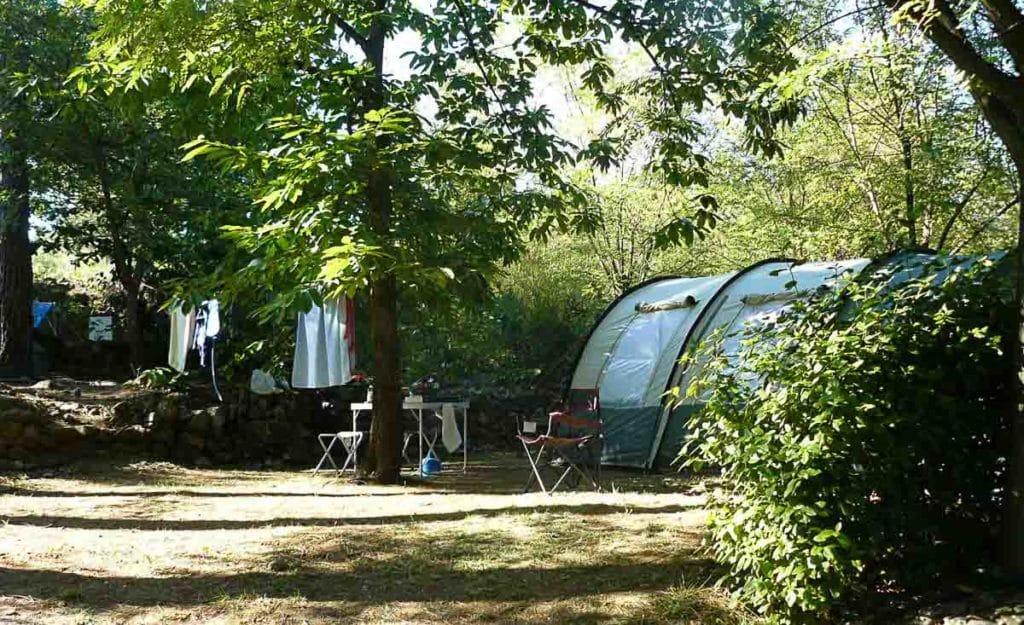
x=582 y=414
x=584 y=402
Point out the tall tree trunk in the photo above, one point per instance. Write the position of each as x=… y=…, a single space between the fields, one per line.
x=1001 y=99
x=1013 y=510
x=908 y=186
x=116 y=222
x=386 y=428
x=1007 y=119
x=15 y=263
x=386 y=431
x=133 y=308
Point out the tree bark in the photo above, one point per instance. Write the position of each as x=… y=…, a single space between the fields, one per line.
x=1001 y=99
x=386 y=429
x=908 y=186
x=133 y=324
x=116 y=222
x=1013 y=509
x=15 y=263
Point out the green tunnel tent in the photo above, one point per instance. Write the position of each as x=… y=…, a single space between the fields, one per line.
x=630 y=355
x=632 y=352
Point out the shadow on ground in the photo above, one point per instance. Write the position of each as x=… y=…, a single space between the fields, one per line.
x=466 y=559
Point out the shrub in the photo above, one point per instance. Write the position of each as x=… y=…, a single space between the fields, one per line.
x=867 y=454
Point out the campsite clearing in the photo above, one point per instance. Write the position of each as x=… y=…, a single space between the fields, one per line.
x=157 y=543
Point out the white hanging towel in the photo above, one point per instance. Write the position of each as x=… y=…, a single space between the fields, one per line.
x=207 y=327
x=450 y=435
x=182 y=328
x=213 y=321
x=321 y=353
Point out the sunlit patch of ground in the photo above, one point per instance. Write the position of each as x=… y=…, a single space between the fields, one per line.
x=156 y=543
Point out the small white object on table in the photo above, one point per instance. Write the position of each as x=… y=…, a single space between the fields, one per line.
x=417 y=407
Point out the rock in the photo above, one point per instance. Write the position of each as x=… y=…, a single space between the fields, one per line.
x=10 y=430
x=131 y=436
x=199 y=421
x=23 y=415
x=171 y=407
x=42 y=385
x=30 y=434
x=256 y=431
x=124 y=413
x=65 y=436
x=163 y=432
x=281 y=433
x=218 y=417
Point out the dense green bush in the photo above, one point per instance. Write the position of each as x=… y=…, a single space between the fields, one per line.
x=867 y=456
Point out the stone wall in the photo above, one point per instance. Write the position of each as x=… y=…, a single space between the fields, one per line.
x=244 y=429
x=28 y=433
x=192 y=428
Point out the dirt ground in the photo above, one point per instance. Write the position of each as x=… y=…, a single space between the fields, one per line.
x=158 y=543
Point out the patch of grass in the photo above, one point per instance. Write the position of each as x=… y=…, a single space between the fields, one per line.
x=71 y=596
x=691 y=605
x=281 y=547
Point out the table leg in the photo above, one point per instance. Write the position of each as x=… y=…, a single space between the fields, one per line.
x=465 y=437
x=355 y=452
x=419 y=419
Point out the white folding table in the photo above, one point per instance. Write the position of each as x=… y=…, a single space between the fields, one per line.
x=417 y=408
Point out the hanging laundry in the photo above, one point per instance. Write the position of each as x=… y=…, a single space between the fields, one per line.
x=182 y=336
x=450 y=435
x=198 y=329
x=207 y=328
x=39 y=312
x=322 y=356
x=101 y=328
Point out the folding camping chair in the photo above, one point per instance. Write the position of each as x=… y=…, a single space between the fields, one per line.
x=350 y=441
x=572 y=442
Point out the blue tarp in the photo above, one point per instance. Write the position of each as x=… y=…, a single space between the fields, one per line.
x=39 y=312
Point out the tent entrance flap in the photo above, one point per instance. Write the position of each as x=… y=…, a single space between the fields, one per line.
x=627 y=434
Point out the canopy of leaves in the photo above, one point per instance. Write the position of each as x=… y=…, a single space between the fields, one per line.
x=473 y=159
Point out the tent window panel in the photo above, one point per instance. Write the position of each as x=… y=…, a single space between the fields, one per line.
x=601 y=346
x=624 y=382
x=631 y=368
x=749 y=317
x=608 y=335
